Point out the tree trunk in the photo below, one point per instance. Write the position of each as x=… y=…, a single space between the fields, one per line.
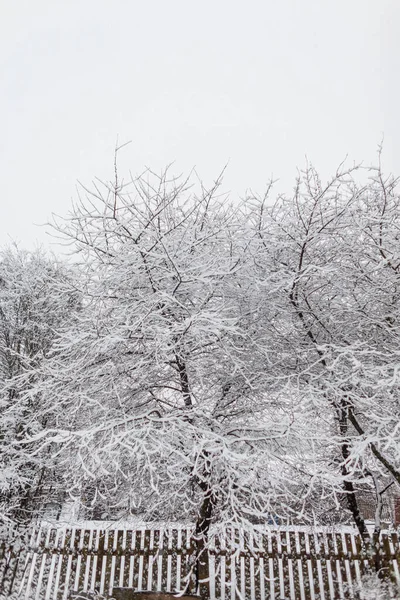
x=348 y=487
x=202 y=564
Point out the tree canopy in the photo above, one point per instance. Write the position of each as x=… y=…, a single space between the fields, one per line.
x=209 y=361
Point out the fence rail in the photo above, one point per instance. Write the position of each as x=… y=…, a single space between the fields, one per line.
x=286 y=563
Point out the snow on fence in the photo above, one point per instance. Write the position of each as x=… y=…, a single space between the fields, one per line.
x=287 y=563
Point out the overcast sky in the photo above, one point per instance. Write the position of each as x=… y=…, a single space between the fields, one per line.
x=260 y=84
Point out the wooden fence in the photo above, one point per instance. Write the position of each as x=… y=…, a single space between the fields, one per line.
x=286 y=563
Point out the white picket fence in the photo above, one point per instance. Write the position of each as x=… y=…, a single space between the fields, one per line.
x=293 y=563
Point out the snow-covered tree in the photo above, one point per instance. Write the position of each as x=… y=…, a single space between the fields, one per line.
x=328 y=270
x=35 y=299
x=156 y=392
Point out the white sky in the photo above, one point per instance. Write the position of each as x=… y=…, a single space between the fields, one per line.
x=259 y=83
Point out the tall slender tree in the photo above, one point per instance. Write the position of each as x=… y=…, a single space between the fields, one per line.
x=328 y=264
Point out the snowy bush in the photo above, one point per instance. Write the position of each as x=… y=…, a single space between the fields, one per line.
x=373 y=588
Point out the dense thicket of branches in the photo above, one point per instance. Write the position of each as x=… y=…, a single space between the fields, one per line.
x=220 y=363
x=37 y=298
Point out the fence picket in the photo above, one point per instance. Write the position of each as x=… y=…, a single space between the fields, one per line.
x=233 y=576
x=52 y=568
